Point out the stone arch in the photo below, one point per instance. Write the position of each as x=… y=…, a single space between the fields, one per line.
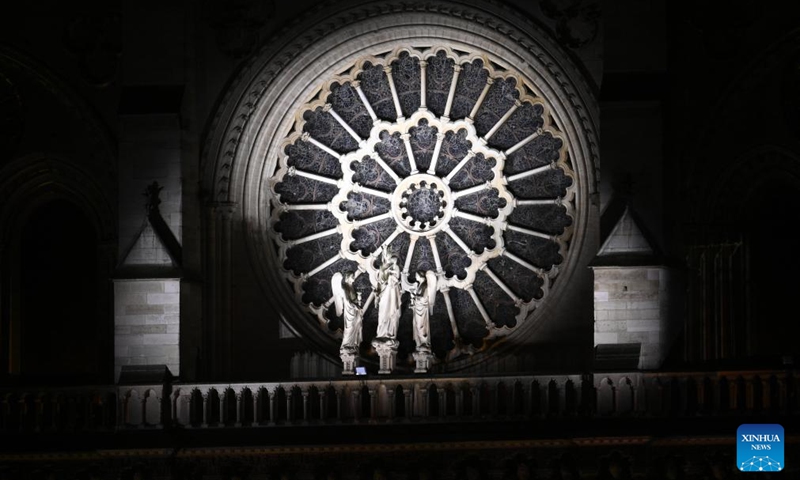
x=605 y=397
x=256 y=114
x=33 y=174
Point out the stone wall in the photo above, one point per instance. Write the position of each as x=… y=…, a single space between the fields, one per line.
x=146 y=323
x=631 y=306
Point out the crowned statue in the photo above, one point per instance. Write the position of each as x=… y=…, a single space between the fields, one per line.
x=388 y=297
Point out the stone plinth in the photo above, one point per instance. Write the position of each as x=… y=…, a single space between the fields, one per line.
x=350 y=361
x=423 y=361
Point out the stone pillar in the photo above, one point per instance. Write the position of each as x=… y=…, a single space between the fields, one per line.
x=217 y=339
x=388 y=356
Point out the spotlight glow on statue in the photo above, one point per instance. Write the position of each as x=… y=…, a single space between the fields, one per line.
x=388 y=295
x=347 y=301
x=423 y=296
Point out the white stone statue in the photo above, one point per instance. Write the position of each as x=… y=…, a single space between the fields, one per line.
x=388 y=297
x=422 y=299
x=347 y=301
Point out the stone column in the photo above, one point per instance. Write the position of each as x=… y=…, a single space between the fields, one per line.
x=218 y=327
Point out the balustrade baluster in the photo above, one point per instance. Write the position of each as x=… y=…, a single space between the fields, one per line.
x=256 y=411
x=494 y=400
x=289 y=413
x=476 y=397
x=392 y=399
x=306 y=415
x=239 y=409
x=205 y=405
x=373 y=405
x=339 y=395
x=223 y=399
x=322 y=403
x=38 y=418
x=272 y=394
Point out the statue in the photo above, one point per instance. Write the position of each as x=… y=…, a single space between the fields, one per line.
x=388 y=298
x=423 y=297
x=347 y=301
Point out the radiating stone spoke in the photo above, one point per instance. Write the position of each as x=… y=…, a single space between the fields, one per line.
x=318 y=235
x=409 y=254
x=385 y=166
x=422 y=86
x=410 y=153
x=530 y=203
x=313 y=176
x=325 y=265
x=532 y=172
x=458 y=167
x=344 y=124
x=474 y=218
x=502 y=120
x=451 y=315
x=481 y=308
x=469 y=191
x=533 y=233
x=458 y=240
x=393 y=88
x=305 y=206
x=511 y=256
x=523 y=142
x=436 y=151
x=369 y=300
x=501 y=283
x=452 y=94
x=371 y=191
x=481 y=98
x=376 y=218
x=436 y=259
x=363 y=97
x=308 y=138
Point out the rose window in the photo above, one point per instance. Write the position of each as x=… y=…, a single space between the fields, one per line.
x=450 y=160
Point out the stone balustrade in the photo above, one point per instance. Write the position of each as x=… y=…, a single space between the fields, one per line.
x=397 y=400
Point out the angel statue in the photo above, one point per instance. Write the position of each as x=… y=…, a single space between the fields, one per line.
x=347 y=301
x=388 y=298
x=423 y=296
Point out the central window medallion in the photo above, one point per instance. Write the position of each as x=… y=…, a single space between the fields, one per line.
x=421 y=204
x=451 y=161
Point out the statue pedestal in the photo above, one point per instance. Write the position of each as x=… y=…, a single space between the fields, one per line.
x=423 y=361
x=349 y=362
x=387 y=351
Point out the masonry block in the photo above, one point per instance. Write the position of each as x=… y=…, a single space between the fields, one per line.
x=147 y=323
x=632 y=306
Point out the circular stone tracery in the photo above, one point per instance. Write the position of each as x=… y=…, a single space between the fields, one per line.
x=450 y=160
x=421 y=204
